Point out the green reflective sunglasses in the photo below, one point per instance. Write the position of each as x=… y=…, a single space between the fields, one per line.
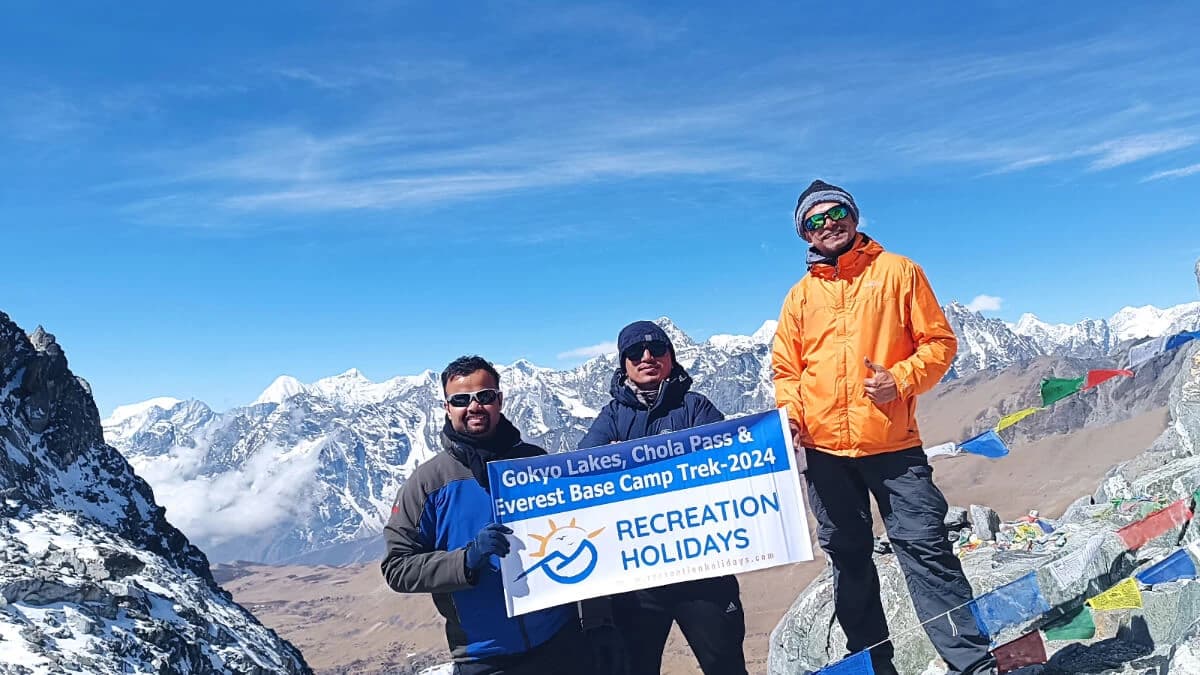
x=819 y=220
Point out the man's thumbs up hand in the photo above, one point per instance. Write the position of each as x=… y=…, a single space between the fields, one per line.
x=880 y=386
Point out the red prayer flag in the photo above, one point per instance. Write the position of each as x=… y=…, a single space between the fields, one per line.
x=1027 y=650
x=1095 y=377
x=1135 y=535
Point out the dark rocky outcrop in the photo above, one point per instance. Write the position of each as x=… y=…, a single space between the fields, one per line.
x=93 y=578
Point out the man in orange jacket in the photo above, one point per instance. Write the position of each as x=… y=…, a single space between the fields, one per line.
x=859 y=337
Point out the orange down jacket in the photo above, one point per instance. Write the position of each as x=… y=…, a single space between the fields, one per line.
x=870 y=304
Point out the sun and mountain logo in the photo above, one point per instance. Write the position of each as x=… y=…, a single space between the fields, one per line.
x=567 y=553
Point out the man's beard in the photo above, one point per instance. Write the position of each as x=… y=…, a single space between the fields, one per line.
x=481 y=432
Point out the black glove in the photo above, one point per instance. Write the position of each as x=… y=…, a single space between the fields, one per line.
x=490 y=541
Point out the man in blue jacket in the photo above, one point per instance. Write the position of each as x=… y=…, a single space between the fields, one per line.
x=651 y=396
x=441 y=539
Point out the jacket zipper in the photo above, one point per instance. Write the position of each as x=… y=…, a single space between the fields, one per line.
x=837 y=275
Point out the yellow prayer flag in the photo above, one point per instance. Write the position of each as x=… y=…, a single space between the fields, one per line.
x=1124 y=595
x=1012 y=418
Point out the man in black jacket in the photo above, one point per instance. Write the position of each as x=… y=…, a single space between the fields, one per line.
x=442 y=539
x=651 y=395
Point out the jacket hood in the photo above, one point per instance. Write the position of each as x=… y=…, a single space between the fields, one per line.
x=670 y=392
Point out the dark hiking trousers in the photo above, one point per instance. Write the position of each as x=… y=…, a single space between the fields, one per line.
x=709 y=613
x=564 y=654
x=913 y=511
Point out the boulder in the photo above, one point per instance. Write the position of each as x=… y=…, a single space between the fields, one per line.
x=956 y=518
x=984 y=522
x=1186 y=658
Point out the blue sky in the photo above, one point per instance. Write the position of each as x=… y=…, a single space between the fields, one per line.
x=197 y=199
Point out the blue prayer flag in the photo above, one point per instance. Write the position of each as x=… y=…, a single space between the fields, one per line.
x=987 y=444
x=1178 y=565
x=855 y=664
x=1180 y=338
x=1009 y=605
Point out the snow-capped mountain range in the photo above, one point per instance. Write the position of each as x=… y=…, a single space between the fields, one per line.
x=1096 y=337
x=306 y=472
x=93 y=578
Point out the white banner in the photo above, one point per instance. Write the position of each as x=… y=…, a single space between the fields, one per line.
x=704 y=502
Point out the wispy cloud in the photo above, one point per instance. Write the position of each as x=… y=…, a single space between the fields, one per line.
x=411 y=128
x=589 y=351
x=1181 y=172
x=40 y=115
x=1134 y=148
x=985 y=303
x=348 y=76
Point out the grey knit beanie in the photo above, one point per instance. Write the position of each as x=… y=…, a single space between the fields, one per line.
x=820 y=191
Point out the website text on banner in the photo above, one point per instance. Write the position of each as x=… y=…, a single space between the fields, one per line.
x=704 y=502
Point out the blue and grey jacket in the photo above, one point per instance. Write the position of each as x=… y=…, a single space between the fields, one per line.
x=438 y=511
x=626 y=417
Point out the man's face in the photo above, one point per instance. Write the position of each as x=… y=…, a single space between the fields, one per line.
x=473 y=418
x=835 y=236
x=643 y=368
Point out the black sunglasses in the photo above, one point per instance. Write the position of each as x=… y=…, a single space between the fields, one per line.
x=484 y=396
x=634 y=352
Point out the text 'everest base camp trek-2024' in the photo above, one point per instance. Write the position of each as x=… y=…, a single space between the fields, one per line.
x=93 y=577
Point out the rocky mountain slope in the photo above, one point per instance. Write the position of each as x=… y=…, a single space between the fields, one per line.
x=92 y=576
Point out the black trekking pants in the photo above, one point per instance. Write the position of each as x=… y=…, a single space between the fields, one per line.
x=913 y=511
x=708 y=611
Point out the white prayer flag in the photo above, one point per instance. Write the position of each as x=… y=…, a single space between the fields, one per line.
x=1139 y=354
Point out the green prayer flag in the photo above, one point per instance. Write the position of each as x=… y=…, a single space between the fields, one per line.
x=1057 y=388
x=1077 y=627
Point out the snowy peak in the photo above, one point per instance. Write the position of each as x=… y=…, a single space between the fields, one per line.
x=678 y=338
x=124 y=413
x=523 y=366
x=519 y=374
x=1134 y=323
x=1029 y=324
x=283 y=388
x=350 y=378
x=766 y=332
x=349 y=387
x=985 y=343
x=1097 y=337
x=765 y=335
